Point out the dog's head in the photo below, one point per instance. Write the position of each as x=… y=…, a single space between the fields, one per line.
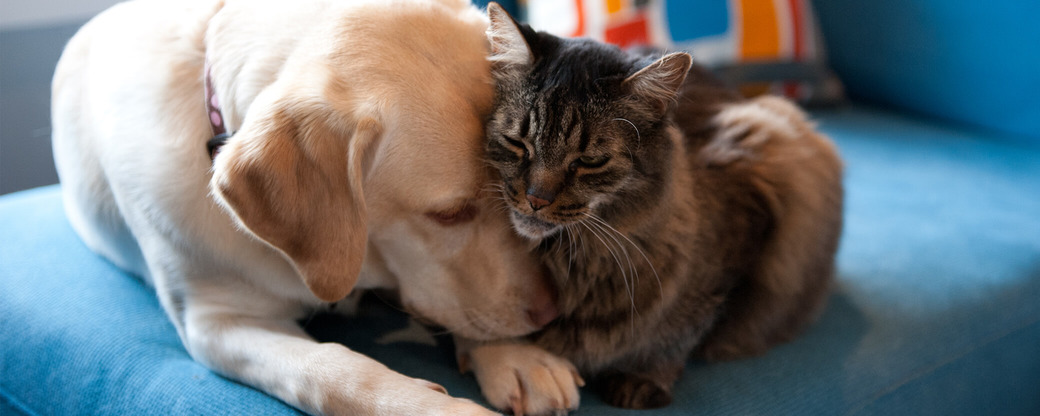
x=365 y=160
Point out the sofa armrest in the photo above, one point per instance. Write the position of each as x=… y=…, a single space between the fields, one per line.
x=974 y=63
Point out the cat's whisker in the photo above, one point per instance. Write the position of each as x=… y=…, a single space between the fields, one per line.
x=491 y=193
x=660 y=287
x=498 y=201
x=570 y=253
x=570 y=248
x=502 y=209
x=584 y=254
x=493 y=188
x=639 y=138
x=633 y=270
x=491 y=163
x=500 y=206
x=624 y=278
x=596 y=232
x=559 y=244
x=497 y=193
x=610 y=249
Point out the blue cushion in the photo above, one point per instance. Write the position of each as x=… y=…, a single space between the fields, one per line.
x=81 y=337
x=975 y=62
x=935 y=312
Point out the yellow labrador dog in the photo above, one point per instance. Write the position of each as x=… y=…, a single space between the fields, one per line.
x=354 y=163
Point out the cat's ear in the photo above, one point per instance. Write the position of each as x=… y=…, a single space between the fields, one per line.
x=508 y=47
x=659 y=82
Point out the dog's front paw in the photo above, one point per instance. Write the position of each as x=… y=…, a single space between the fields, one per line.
x=525 y=379
x=462 y=407
x=431 y=399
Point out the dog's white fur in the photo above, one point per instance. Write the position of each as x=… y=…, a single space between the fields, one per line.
x=355 y=120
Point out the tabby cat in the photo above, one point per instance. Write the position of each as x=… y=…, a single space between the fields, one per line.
x=676 y=217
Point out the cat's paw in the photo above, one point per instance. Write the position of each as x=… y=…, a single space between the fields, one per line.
x=525 y=379
x=634 y=392
x=727 y=347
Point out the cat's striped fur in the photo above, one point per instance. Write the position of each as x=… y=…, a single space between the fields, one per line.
x=675 y=216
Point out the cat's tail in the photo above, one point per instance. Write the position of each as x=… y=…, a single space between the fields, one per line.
x=798 y=172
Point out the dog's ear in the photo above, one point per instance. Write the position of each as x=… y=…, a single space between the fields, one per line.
x=297 y=184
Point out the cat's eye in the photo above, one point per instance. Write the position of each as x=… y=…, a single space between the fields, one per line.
x=516 y=143
x=454 y=216
x=592 y=161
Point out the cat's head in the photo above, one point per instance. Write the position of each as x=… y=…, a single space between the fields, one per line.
x=577 y=125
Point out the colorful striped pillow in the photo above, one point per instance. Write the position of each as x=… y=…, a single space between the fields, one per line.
x=759 y=45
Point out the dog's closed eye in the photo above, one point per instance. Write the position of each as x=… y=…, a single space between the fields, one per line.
x=458 y=215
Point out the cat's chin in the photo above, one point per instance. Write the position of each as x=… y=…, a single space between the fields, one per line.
x=533 y=228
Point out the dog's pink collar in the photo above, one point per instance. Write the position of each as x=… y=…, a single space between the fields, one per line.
x=216 y=118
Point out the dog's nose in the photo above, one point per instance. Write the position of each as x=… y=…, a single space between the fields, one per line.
x=543 y=308
x=539 y=199
x=543 y=314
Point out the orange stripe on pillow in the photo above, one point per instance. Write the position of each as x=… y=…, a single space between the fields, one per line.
x=797 y=29
x=759 y=30
x=633 y=32
x=580 y=30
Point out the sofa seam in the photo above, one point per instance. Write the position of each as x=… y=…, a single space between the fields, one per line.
x=14 y=402
x=946 y=361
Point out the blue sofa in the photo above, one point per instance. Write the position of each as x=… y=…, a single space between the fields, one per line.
x=936 y=310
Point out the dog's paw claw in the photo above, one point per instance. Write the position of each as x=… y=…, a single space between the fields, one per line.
x=431 y=385
x=516 y=404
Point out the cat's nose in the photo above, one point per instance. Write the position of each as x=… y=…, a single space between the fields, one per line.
x=538 y=200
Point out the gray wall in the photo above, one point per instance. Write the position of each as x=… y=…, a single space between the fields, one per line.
x=21 y=14
x=32 y=35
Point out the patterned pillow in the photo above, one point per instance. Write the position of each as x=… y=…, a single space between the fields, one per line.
x=761 y=46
